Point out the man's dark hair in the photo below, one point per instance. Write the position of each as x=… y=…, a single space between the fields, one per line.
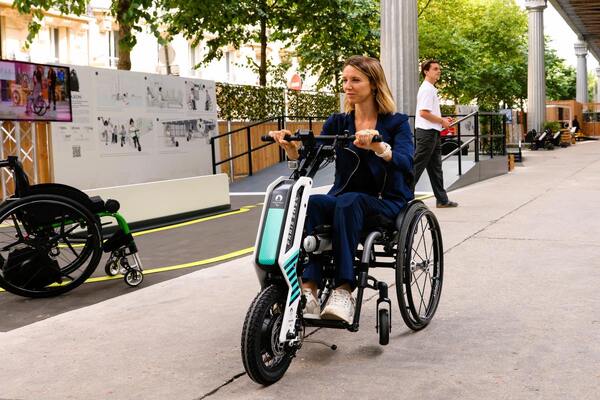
x=426 y=65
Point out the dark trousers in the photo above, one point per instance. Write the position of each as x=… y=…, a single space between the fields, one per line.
x=428 y=154
x=346 y=214
x=52 y=95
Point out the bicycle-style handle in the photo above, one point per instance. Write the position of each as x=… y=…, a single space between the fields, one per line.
x=267 y=138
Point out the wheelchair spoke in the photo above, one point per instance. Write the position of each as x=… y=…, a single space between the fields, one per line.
x=17 y=228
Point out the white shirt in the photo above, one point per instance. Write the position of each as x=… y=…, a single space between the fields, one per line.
x=427 y=99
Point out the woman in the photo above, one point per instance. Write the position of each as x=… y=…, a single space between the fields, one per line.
x=370 y=178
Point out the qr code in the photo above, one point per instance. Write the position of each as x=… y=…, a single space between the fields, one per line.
x=76 y=151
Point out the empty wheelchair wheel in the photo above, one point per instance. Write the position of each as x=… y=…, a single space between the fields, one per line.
x=48 y=245
x=419 y=267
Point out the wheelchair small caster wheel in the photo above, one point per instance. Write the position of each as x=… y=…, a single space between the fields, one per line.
x=383 y=326
x=111 y=268
x=134 y=278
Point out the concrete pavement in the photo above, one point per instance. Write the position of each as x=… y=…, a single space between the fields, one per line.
x=518 y=318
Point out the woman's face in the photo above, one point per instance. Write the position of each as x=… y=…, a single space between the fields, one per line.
x=356 y=85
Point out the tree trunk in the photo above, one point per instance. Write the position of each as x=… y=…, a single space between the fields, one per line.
x=124 y=52
x=124 y=34
x=262 y=68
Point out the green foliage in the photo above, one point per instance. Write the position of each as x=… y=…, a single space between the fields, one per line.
x=553 y=125
x=234 y=23
x=312 y=104
x=330 y=31
x=238 y=102
x=561 y=79
x=481 y=46
x=131 y=15
x=255 y=103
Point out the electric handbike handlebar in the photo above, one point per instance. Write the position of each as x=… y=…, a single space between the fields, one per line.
x=316 y=150
x=308 y=136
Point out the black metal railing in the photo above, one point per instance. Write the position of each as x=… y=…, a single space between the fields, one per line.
x=488 y=142
x=484 y=143
x=281 y=124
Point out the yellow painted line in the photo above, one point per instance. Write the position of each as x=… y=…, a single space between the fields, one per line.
x=224 y=257
x=243 y=209
x=424 y=196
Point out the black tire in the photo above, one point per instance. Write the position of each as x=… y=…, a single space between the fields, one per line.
x=265 y=358
x=384 y=326
x=112 y=268
x=134 y=277
x=419 y=267
x=48 y=245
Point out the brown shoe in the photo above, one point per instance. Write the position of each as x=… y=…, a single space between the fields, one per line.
x=448 y=204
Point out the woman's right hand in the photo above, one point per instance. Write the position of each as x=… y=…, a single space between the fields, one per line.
x=290 y=147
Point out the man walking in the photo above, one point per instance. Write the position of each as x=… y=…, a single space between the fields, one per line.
x=428 y=124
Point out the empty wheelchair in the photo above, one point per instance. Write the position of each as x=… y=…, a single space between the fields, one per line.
x=51 y=238
x=411 y=245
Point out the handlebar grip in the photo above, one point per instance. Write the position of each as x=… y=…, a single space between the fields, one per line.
x=267 y=138
x=376 y=139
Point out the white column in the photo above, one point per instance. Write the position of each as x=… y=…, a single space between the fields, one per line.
x=536 y=78
x=582 y=89
x=400 y=51
x=597 y=85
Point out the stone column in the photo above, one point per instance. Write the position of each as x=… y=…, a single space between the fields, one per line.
x=597 y=85
x=582 y=89
x=536 y=77
x=400 y=51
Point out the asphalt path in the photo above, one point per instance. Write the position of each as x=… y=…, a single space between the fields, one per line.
x=226 y=237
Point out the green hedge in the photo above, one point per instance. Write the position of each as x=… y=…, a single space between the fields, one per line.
x=255 y=103
x=312 y=104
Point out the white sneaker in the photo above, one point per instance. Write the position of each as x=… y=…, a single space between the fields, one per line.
x=340 y=306
x=312 y=309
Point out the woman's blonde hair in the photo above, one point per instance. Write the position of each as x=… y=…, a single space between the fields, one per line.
x=374 y=71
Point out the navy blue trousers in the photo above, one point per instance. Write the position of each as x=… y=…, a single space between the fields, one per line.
x=346 y=214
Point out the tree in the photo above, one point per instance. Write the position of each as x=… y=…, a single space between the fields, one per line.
x=481 y=46
x=330 y=31
x=231 y=22
x=131 y=15
x=561 y=79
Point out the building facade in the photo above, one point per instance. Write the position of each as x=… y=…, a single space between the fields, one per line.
x=92 y=40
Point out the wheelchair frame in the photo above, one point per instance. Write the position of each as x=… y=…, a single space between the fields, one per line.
x=274 y=326
x=42 y=197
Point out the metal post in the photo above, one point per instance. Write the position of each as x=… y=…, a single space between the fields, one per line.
x=249 y=141
x=503 y=135
x=477 y=137
x=459 y=151
x=214 y=160
x=230 y=149
x=310 y=124
x=491 y=132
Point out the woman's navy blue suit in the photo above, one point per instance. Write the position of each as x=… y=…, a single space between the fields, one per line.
x=365 y=185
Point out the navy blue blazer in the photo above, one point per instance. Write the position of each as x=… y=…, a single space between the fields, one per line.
x=394 y=178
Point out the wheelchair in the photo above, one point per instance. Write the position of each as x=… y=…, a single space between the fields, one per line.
x=51 y=238
x=411 y=245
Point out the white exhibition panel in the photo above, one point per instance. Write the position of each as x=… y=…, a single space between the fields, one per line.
x=130 y=127
x=144 y=201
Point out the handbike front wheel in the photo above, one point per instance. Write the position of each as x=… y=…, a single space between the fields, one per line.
x=419 y=267
x=265 y=358
x=49 y=245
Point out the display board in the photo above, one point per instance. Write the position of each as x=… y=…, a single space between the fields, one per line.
x=130 y=127
x=34 y=92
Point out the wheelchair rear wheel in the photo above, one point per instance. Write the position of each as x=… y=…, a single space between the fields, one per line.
x=265 y=358
x=48 y=245
x=419 y=267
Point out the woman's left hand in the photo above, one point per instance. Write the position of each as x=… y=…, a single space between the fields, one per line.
x=364 y=138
